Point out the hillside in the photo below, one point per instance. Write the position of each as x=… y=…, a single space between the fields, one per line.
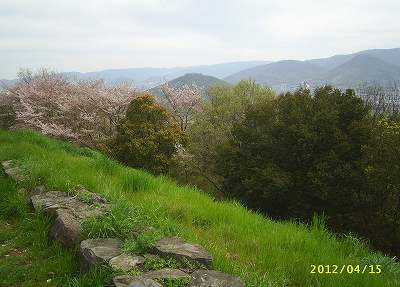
x=200 y=80
x=279 y=75
x=262 y=252
x=362 y=68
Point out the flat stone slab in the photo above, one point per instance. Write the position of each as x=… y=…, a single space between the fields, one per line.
x=98 y=251
x=125 y=262
x=131 y=281
x=53 y=200
x=12 y=170
x=66 y=229
x=166 y=273
x=180 y=249
x=68 y=212
x=37 y=190
x=208 y=278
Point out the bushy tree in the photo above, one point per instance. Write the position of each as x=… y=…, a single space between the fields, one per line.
x=147 y=137
x=298 y=155
x=325 y=153
x=378 y=212
x=211 y=127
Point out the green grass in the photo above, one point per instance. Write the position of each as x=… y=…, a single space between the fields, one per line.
x=261 y=251
x=27 y=258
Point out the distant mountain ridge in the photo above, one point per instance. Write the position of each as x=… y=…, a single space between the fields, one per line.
x=391 y=56
x=344 y=71
x=280 y=74
x=145 y=78
x=363 y=68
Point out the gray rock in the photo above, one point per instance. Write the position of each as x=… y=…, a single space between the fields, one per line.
x=123 y=280
x=38 y=190
x=90 y=211
x=144 y=282
x=98 y=251
x=12 y=170
x=126 y=262
x=208 y=278
x=35 y=191
x=66 y=229
x=53 y=200
x=180 y=249
x=130 y=281
x=166 y=273
x=50 y=200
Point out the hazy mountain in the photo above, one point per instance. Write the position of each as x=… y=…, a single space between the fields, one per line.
x=279 y=75
x=140 y=77
x=379 y=65
x=223 y=70
x=362 y=68
x=200 y=80
x=391 y=56
x=145 y=78
x=376 y=65
x=4 y=82
x=331 y=62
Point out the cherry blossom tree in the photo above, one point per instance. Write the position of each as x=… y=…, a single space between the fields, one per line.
x=82 y=111
x=182 y=101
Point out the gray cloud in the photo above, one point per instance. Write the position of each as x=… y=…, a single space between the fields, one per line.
x=98 y=34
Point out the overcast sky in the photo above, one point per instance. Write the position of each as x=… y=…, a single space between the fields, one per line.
x=90 y=35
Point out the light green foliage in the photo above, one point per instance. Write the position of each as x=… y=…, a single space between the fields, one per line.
x=85 y=197
x=141 y=243
x=211 y=128
x=154 y=264
x=243 y=243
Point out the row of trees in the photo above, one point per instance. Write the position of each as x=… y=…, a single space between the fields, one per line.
x=294 y=155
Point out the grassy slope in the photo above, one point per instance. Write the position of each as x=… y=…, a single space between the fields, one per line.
x=261 y=251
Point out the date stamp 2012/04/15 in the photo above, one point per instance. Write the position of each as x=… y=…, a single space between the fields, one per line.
x=345 y=269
